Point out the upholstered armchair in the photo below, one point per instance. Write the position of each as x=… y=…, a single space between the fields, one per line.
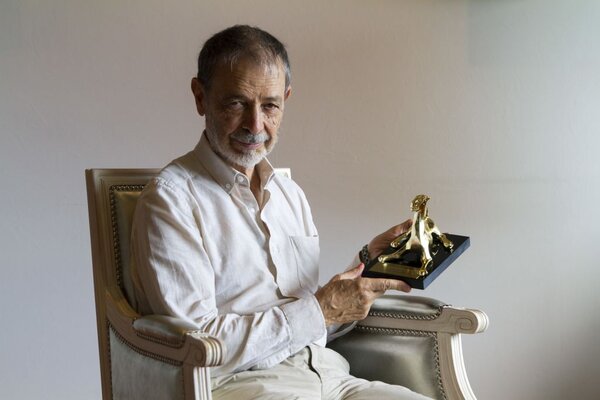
x=413 y=341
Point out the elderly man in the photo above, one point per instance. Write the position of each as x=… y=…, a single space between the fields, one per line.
x=221 y=241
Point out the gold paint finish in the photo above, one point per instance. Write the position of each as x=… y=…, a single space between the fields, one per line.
x=423 y=238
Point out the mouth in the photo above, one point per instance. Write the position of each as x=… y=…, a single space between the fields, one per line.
x=248 y=141
x=247 y=146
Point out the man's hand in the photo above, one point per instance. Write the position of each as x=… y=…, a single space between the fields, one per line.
x=348 y=297
x=382 y=241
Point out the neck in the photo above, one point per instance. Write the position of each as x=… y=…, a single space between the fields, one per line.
x=249 y=172
x=256 y=187
x=254 y=179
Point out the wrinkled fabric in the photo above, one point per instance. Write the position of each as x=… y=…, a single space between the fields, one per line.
x=205 y=251
x=313 y=373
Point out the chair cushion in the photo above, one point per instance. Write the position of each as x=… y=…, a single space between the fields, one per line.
x=123 y=201
x=409 y=360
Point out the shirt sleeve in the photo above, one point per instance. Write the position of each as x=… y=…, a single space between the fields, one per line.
x=173 y=276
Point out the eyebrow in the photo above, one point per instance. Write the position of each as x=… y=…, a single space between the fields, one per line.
x=268 y=99
x=274 y=99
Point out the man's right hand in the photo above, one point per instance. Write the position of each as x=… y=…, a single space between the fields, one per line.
x=348 y=297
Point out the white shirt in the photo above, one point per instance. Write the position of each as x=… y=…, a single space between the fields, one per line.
x=206 y=252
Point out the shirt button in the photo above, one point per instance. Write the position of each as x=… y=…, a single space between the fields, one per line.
x=228 y=185
x=240 y=179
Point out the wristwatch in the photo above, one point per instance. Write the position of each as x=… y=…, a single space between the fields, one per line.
x=364 y=256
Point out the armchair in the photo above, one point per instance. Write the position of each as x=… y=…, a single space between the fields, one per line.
x=407 y=340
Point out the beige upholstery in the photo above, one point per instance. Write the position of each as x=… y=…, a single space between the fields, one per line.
x=150 y=357
x=407 y=340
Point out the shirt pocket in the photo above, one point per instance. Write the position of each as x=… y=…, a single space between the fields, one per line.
x=306 y=252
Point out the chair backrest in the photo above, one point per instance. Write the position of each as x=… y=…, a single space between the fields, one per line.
x=112 y=196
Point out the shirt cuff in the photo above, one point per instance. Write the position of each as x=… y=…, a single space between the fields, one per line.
x=306 y=322
x=340 y=330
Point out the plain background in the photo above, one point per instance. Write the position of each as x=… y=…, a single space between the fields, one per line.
x=488 y=106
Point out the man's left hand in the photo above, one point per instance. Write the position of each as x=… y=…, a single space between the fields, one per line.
x=382 y=241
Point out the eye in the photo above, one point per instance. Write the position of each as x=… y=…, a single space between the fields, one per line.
x=271 y=107
x=235 y=105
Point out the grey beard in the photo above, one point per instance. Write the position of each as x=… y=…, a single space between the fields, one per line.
x=250 y=138
x=244 y=160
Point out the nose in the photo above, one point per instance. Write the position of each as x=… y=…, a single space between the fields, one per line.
x=254 y=120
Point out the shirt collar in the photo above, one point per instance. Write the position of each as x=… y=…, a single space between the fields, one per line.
x=225 y=175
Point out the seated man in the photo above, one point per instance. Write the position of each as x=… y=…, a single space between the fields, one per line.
x=221 y=241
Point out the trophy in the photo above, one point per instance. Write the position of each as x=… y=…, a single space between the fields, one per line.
x=420 y=255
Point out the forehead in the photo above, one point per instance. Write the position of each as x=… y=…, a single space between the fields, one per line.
x=249 y=77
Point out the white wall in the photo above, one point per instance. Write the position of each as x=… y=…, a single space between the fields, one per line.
x=488 y=106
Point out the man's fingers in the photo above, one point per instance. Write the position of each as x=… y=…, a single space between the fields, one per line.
x=353 y=273
x=406 y=225
x=399 y=285
x=402 y=228
x=381 y=285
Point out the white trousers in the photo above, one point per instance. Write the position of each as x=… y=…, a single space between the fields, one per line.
x=313 y=373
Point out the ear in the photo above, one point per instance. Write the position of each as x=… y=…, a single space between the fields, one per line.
x=288 y=91
x=199 y=95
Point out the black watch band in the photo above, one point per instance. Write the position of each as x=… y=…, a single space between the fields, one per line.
x=364 y=255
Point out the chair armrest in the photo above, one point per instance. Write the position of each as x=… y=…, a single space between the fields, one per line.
x=169 y=331
x=415 y=342
x=423 y=314
x=176 y=333
x=163 y=336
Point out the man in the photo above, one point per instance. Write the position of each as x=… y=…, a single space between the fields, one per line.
x=221 y=241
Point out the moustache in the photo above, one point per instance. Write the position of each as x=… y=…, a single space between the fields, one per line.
x=250 y=138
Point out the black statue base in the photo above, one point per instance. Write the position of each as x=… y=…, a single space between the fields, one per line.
x=440 y=261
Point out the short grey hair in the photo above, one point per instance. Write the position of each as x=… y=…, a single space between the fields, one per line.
x=237 y=42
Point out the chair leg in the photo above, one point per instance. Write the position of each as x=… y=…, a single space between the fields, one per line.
x=452 y=367
x=196 y=383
